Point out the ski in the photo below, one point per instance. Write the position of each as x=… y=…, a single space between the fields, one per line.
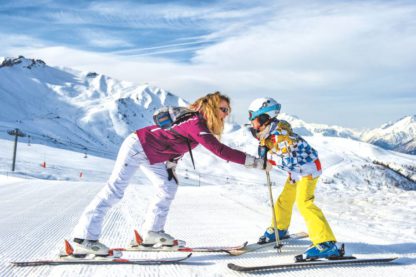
x=315 y=263
x=102 y=260
x=176 y=248
x=255 y=246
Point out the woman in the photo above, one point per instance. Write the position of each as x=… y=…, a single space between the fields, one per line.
x=155 y=151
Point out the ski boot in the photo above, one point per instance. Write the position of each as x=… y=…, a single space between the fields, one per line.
x=159 y=239
x=327 y=250
x=82 y=248
x=269 y=235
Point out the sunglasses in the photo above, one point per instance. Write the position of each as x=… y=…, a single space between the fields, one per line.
x=225 y=110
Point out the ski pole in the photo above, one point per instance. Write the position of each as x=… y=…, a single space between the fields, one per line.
x=262 y=151
x=276 y=233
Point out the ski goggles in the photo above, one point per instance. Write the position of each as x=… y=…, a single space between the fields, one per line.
x=253 y=114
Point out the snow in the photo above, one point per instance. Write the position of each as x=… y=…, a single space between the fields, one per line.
x=40 y=206
x=77 y=121
x=57 y=105
x=398 y=136
x=307 y=129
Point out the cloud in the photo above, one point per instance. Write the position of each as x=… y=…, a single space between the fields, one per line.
x=11 y=42
x=319 y=59
x=307 y=52
x=103 y=39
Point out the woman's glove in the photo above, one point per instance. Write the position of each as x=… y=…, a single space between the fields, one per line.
x=253 y=162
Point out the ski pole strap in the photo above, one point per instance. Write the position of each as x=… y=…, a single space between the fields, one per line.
x=190 y=152
x=187 y=143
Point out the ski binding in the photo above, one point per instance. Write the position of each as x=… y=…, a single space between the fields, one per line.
x=177 y=247
x=256 y=246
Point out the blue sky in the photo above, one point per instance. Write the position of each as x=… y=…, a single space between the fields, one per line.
x=349 y=63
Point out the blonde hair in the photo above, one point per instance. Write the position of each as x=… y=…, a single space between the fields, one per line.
x=209 y=106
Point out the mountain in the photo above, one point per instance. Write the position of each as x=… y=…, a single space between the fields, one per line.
x=78 y=110
x=398 y=136
x=309 y=129
x=87 y=111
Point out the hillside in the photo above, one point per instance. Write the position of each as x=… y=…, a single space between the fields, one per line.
x=91 y=112
x=398 y=136
x=84 y=111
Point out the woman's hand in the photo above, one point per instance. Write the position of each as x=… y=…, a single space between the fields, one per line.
x=253 y=162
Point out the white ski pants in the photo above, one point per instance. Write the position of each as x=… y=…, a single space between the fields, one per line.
x=130 y=157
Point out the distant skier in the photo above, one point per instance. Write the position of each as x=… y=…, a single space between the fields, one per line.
x=156 y=151
x=290 y=152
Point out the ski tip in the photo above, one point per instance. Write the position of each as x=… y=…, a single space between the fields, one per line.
x=236 y=252
x=236 y=267
x=22 y=264
x=17 y=263
x=299 y=235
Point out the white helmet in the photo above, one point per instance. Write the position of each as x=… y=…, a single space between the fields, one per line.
x=261 y=106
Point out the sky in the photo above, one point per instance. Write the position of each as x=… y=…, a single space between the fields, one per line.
x=347 y=63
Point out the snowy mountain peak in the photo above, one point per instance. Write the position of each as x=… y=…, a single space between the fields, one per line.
x=93 y=110
x=92 y=74
x=399 y=136
x=308 y=129
x=22 y=62
x=404 y=121
x=401 y=123
x=74 y=109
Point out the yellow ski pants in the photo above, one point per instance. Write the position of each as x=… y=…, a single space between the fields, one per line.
x=303 y=193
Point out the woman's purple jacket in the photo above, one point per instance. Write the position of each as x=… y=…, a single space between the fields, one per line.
x=162 y=145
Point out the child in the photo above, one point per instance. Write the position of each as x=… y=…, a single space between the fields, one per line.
x=291 y=153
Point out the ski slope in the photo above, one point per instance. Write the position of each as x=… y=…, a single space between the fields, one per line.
x=40 y=206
